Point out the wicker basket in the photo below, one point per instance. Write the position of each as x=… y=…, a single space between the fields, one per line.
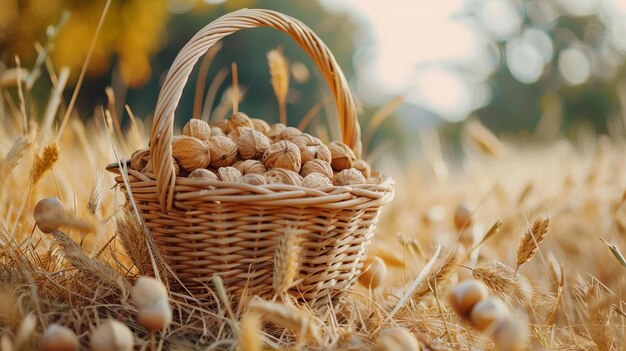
x=204 y=227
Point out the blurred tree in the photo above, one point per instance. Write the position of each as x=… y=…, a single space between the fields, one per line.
x=571 y=50
x=132 y=32
x=141 y=38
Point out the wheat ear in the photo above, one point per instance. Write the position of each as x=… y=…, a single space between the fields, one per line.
x=532 y=239
x=500 y=279
x=44 y=161
x=279 y=71
x=286 y=261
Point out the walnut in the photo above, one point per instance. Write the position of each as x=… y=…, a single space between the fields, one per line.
x=235 y=133
x=349 y=176
x=342 y=156
x=283 y=154
x=253 y=179
x=261 y=126
x=283 y=176
x=203 y=174
x=221 y=124
x=223 y=151
x=289 y=133
x=149 y=168
x=317 y=166
x=216 y=131
x=363 y=167
x=139 y=159
x=191 y=153
x=251 y=144
x=250 y=167
x=197 y=128
x=311 y=148
x=274 y=133
x=229 y=174
x=240 y=119
x=315 y=181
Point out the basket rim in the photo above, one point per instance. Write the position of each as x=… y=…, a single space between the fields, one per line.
x=332 y=197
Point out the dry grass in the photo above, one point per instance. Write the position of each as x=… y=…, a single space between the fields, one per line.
x=570 y=296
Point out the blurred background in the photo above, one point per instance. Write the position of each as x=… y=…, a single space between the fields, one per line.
x=536 y=69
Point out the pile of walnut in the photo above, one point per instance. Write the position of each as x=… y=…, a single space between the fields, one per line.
x=248 y=150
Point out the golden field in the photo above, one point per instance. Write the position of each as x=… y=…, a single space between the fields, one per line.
x=568 y=296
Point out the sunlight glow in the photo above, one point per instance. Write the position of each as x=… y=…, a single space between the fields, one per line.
x=423 y=32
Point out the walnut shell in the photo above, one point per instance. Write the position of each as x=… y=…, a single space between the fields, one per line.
x=240 y=119
x=223 y=151
x=283 y=176
x=283 y=154
x=289 y=133
x=317 y=166
x=236 y=133
x=274 y=133
x=261 y=126
x=251 y=143
x=342 y=156
x=216 y=131
x=148 y=168
x=191 y=153
x=315 y=181
x=311 y=148
x=253 y=179
x=139 y=159
x=363 y=167
x=348 y=177
x=229 y=174
x=221 y=124
x=250 y=167
x=203 y=174
x=197 y=128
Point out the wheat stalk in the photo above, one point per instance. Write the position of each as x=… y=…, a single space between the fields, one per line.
x=83 y=70
x=95 y=197
x=133 y=240
x=439 y=272
x=250 y=338
x=287 y=317
x=235 y=75
x=599 y=326
x=286 y=261
x=532 y=239
x=44 y=161
x=596 y=308
x=202 y=76
x=483 y=139
x=279 y=72
x=93 y=269
x=14 y=155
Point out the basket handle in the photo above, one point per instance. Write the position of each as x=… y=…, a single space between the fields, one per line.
x=163 y=124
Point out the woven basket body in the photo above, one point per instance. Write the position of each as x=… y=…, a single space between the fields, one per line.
x=203 y=228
